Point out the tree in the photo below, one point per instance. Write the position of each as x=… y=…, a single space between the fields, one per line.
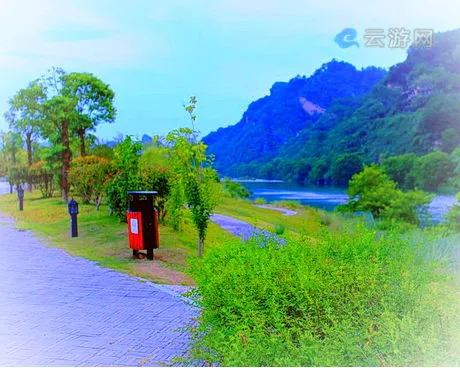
x=11 y=143
x=195 y=175
x=344 y=167
x=318 y=171
x=398 y=167
x=432 y=170
x=59 y=111
x=25 y=114
x=450 y=139
x=93 y=101
x=372 y=190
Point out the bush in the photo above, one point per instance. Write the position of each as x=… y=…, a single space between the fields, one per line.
x=234 y=189
x=158 y=179
x=453 y=216
x=279 y=229
x=89 y=176
x=352 y=299
x=292 y=205
x=126 y=177
x=260 y=201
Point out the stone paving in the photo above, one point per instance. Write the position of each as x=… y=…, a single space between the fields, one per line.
x=58 y=310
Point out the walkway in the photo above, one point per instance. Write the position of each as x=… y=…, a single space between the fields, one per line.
x=57 y=310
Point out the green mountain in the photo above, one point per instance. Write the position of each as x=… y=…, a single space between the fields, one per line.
x=357 y=117
x=270 y=122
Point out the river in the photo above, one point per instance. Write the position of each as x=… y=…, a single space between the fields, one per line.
x=327 y=198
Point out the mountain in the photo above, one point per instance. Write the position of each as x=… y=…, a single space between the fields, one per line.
x=270 y=122
x=414 y=108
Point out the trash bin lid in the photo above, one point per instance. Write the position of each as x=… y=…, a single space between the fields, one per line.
x=143 y=192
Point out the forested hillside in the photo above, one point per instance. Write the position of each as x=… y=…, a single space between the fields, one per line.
x=291 y=107
x=415 y=108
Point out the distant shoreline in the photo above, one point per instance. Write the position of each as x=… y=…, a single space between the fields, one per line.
x=257 y=181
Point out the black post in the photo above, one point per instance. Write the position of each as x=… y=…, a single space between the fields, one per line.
x=21 y=198
x=73 y=212
x=74 y=225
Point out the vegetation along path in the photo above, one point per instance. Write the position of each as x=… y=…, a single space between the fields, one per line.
x=58 y=310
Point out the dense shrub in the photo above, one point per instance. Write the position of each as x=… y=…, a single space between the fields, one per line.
x=126 y=176
x=357 y=298
x=89 y=176
x=453 y=216
x=158 y=179
x=234 y=189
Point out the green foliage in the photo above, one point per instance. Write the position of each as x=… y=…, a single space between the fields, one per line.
x=42 y=176
x=25 y=115
x=431 y=170
x=92 y=102
x=372 y=190
x=175 y=206
x=350 y=299
x=160 y=180
x=260 y=200
x=450 y=140
x=344 y=167
x=18 y=175
x=279 y=228
x=234 y=189
x=89 y=177
x=102 y=150
x=195 y=178
x=318 y=171
x=453 y=216
x=126 y=177
x=398 y=168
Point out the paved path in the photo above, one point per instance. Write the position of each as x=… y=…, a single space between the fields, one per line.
x=244 y=230
x=58 y=310
x=236 y=227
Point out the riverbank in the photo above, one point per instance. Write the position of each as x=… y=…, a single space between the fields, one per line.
x=328 y=197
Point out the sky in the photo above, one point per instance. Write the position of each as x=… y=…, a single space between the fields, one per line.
x=156 y=53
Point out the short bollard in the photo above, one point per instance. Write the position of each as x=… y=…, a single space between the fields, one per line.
x=73 y=212
x=21 y=198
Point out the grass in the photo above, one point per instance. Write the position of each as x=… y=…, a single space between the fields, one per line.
x=306 y=222
x=103 y=239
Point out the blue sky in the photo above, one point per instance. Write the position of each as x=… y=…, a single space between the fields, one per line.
x=157 y=53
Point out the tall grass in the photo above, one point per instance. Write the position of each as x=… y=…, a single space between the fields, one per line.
x=354 y=298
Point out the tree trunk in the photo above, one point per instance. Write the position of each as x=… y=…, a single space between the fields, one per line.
x=200 y=246
x=65 y=161
x=29 y=155
x=81 y=136
x=29 y=148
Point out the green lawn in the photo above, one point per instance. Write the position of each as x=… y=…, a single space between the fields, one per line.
x=103 y=238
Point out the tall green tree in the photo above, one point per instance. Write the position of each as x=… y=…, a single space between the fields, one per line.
x=93 y=101
x=59 y=110
x=25 y=115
